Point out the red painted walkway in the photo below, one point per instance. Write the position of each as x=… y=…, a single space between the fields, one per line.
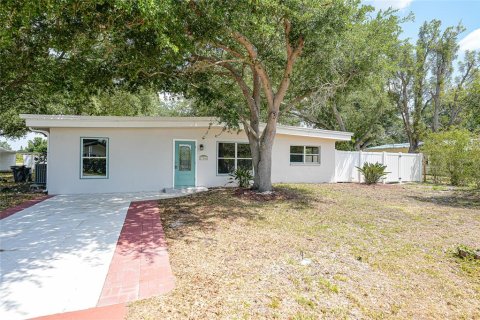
x=140 y=267
x=8 y=212
x=113 y=312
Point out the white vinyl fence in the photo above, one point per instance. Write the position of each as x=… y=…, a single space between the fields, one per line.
x=401 y=167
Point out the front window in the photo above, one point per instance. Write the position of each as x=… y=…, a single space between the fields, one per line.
x=233 y=155
x=94 y=158
x=304 y=154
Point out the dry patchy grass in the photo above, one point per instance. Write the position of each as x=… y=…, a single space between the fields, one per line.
x=377 y=252
x=12 y=194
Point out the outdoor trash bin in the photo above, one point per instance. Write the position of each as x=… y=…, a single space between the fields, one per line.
x=21 y=173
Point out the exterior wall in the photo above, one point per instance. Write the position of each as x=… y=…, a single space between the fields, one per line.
x=7 y=160
x=283 y=171
x=141 y=159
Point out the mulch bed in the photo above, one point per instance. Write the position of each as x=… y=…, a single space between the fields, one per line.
x=276 y=194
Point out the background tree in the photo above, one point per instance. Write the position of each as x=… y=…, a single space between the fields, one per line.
x=5 y=145
x=140 y=103
x=443 y=53
x=354 y=97
x=472 y=105
x=38 y=144
x=461 y=103
x=425 y=89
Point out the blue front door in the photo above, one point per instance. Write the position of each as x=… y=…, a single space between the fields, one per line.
x=184 y=164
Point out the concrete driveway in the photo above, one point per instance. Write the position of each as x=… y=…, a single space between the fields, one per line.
x=56 y=254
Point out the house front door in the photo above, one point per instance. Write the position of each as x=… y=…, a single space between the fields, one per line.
x=184 y=164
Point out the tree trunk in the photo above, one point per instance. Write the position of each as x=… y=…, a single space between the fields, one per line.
x=261 y=147
x=360 y=142
x=436 y=106
x=262 y=164
x=255 y=150
x=264 y=172
x=414 y=141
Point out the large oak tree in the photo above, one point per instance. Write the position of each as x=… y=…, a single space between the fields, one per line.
x=274 y=56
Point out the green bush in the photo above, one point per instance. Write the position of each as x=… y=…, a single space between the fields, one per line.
x=475 y=163
x=242 y=176
x=452 y=154
x=373 y=172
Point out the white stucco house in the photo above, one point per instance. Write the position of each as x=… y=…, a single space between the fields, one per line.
x=7 y=159
x=130 y=154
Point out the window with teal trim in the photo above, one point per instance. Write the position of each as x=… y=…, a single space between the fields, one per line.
x=94 y=159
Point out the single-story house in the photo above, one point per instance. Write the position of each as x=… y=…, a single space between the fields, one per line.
x=7 y=159
x=89 y=154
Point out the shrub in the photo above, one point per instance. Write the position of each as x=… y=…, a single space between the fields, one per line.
x=242 y=176
x=373 y=172
x=451 y=154
x=475 y=163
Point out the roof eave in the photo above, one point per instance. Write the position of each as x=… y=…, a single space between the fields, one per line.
x=65 y=121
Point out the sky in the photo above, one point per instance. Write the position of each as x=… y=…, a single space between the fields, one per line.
x=450 y=12
x=16 y=144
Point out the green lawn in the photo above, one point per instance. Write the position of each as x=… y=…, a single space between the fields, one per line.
x=376 y=252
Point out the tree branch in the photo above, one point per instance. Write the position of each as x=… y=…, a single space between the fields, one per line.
x=252 y=52
x=249 y=128
x=230 y=50
x=235 y=75
x=288 y=26
x=283 y=87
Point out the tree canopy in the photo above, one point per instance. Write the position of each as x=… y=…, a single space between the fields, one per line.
x=333 y=64
x=424 y=88
x=38 y=144
x=5 y=145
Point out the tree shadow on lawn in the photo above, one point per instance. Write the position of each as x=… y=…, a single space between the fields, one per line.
x=456 y=199
x=204 y=211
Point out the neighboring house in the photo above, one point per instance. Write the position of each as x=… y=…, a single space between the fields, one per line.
x=7 y=159
x=392 y=147
x=128 y=154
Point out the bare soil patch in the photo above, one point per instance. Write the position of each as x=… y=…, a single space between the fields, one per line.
x=276 y=195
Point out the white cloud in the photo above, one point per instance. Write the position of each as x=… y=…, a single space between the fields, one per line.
x=471 y=41
x=385 y=4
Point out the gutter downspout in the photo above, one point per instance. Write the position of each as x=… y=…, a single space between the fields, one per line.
x=46 y=133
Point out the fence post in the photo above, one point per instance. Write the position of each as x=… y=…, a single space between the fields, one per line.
x=335 y=162
x=359 y=165
x=400 y=167
x=424 y=168
x=384 y=160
